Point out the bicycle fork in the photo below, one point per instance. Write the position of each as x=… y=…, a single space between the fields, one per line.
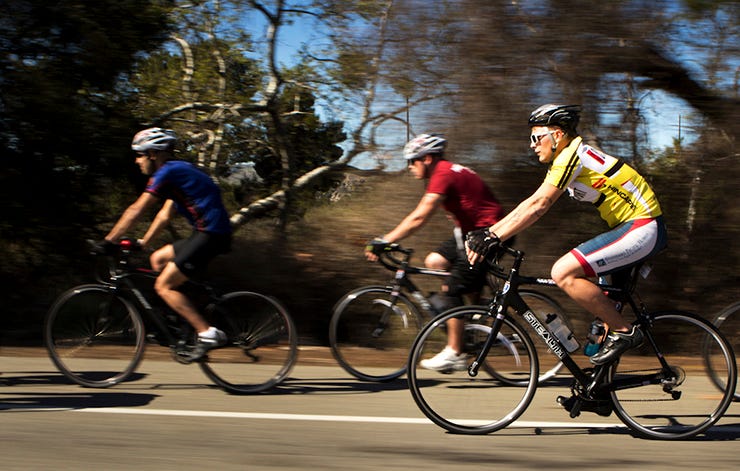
x=492 y=336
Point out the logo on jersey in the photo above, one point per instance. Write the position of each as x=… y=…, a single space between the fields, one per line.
x=622 y=194
x=457 y=168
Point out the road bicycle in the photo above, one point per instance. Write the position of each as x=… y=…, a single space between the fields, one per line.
x=659 y=390
x=96 y=333
x=728 y=322
x=373 y=327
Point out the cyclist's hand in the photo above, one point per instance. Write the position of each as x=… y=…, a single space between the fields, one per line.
x=104 y=247
x=375 y=247
x=478 y=243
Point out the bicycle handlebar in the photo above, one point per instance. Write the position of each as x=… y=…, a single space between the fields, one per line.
x=116 y=255
x=391 y=262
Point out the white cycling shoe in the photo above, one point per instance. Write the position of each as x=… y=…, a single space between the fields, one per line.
x=446 y=360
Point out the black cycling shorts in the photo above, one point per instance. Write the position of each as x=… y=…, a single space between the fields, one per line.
x=463 y=278
x=193 y=254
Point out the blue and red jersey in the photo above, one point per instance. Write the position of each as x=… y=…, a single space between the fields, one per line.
x=196 y=195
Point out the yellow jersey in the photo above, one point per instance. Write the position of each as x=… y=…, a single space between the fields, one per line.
x=615 y=188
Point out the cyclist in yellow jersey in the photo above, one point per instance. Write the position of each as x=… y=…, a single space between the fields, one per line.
x=624 y=200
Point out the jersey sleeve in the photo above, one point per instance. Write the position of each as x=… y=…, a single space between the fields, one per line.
x=566 y=166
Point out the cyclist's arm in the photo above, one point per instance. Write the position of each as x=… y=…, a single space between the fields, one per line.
x=411 y=223
x=131 y=215
x=524 y=215
x=163 y=217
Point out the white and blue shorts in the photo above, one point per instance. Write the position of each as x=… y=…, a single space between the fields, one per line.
x=627 y=244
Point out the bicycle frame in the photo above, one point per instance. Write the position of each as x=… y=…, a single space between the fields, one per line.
x=509 y=296
x=121 y=282
x=401 y=279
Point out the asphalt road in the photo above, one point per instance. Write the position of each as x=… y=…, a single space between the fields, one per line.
x=170 y=418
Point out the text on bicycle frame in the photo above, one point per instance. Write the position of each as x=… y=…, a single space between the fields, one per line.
x=549 y=338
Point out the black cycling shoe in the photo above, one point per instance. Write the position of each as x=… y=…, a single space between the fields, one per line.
x=576 y=404
x=616 y=344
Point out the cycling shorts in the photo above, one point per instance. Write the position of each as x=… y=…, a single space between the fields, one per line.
x=627 y=244
x=463 y=278
x=193 y=254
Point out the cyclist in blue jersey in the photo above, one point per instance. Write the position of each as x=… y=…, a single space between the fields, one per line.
x=186 y=190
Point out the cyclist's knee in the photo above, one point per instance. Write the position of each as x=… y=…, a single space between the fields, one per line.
x=159 y=258
x=565 y=270
x=169 y=279
x=436 y=261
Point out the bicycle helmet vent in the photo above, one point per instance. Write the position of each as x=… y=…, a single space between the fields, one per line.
x=424 y=144
x=154 y=139
x=564 y=116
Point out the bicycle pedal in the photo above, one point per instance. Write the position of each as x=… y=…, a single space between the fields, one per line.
x=187 y=357
x=574 y=405
x=570 y=404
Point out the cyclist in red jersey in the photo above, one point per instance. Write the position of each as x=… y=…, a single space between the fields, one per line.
x=624 y=200
x=471 y=205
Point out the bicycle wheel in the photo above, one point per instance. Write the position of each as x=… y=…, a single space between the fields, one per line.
x=371 y=332
x=728 y=322
x=464 y=404
x=94 y=337
x=684 y=401
x=541 y=305
x=262 y=346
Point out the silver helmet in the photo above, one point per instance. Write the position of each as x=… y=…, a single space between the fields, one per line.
x=424 y=144
x=154 y=139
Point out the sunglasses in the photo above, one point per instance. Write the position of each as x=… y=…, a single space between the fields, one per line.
x=536 y=138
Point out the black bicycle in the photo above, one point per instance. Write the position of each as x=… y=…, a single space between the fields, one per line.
x=660 y=390
x=728 y=322
x=373 y=327
x=96 y=333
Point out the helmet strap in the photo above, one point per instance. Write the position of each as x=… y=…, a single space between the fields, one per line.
x=552 y=139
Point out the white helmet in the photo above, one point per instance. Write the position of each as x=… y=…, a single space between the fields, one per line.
x=154 y=139
x=424 y=144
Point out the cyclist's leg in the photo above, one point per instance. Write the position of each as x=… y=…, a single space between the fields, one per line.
x=166 y=286
x=571 y=278
x=444 y=258
x=161 y=257
x=625 y=245
x=187 y=259
x=463 y=280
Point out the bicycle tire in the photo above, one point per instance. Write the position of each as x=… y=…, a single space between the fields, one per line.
x=262 y=345
x=364 y=348
x=686 y=403
x=728 y=322
x=541 y=304
x=464 y=404
x=93 y=336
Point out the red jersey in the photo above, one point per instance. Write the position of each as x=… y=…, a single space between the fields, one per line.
x=467 y=197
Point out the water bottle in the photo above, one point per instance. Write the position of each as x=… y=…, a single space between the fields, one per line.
x=562 y=332
x=595 y=337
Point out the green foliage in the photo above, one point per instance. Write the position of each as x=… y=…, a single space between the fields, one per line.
x=158 y=80
x=60 y=125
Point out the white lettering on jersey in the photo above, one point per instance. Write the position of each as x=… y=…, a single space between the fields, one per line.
x=457 y=168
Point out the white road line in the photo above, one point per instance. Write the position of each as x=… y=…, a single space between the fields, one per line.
x=323 y=418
